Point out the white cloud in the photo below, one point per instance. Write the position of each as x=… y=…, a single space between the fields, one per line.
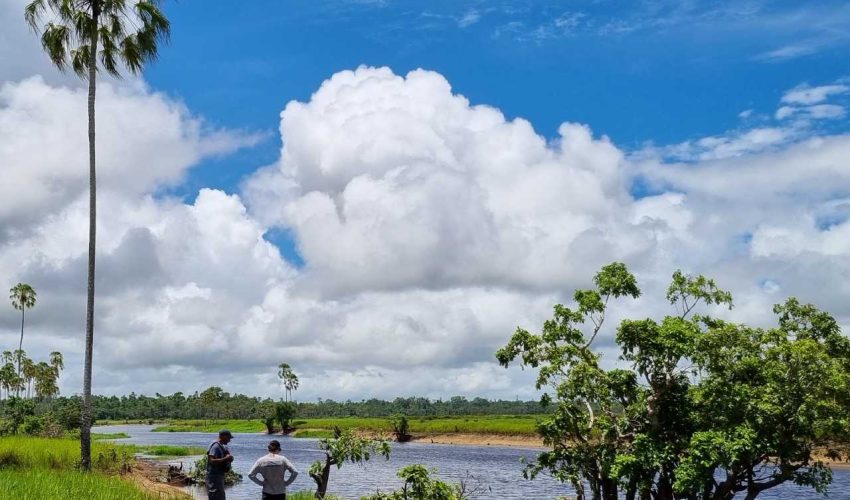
x=805 y=94
x=430 y=228
x=471 y=17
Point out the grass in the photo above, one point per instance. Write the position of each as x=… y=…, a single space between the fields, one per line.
x=164 y=450
x=308 y=495
x=313 y=433
x=212 y=426
x=47 y=484
x=508 y=425
x=44 y=468
x=97 y=436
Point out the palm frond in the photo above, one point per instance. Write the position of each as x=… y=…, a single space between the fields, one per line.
x=55 y=42
x=33 y=12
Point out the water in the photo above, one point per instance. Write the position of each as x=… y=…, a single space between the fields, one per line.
x=496 y=470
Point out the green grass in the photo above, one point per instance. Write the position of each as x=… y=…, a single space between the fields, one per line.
x=212 y=426
x=97 y=436
x=313 y=433
x=308 y=495
x=47 y=484
x=164 y=450
x=44 y=468
x=509 y=425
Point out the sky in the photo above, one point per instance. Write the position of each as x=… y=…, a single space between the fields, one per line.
x=379 y=192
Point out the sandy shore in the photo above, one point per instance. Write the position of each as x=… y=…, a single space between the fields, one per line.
x=480 y=440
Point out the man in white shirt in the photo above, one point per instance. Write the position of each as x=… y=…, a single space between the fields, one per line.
x=272 y=468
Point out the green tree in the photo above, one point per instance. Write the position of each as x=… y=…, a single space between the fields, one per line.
x=289 y=379
x=419 y=485
x=346 y=446
x=705 y=409
x=23 y=297
x=80 y=33
x=284 y=412
x=401 y=428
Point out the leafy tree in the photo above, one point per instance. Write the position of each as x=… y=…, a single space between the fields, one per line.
x=419 y=485
x=284 y=412
x=401 y=428
x=289 y=379
x=346 y=446
x=16 y=411
x=80 y=33
x=706 y=408
x=23 y=297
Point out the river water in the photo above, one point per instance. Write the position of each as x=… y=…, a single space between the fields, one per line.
x=496 y=471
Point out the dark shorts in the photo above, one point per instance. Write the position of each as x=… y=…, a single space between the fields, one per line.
x=215 y=486
x=269 y=496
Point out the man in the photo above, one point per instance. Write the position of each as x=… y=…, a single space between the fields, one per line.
x=272 y=468
x=218 y=464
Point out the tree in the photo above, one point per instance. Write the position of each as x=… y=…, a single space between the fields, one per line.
x=284 y=413
x=23 y=297
x=289 y=379
x=401 y=428
x=419 y=485
x=705 y=409
x=81 y=32
x=344 y=447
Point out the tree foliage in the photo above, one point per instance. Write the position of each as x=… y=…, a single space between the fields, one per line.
x=704 y=409
x=346 y=446
x=419 y=485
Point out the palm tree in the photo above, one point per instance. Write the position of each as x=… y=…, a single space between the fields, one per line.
x=23 y=297
x=57 y=363
x=81 y=32
x=288 y=377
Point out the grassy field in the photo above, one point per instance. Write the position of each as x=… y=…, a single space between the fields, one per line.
x=43 y=468
x=507 y=425
x=50 y=484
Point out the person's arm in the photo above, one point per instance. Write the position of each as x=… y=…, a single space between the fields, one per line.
x=213 y=459
x=292 y=472
x=253 y=474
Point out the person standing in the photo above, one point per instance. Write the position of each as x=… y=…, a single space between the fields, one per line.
x=272 y=468
x=218 y=464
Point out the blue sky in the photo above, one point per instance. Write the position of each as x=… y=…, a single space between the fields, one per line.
x=646 y=71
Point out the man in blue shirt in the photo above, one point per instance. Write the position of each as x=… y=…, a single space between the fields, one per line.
x=218 y=464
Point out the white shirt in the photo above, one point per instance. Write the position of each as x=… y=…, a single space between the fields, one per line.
x=272 y=468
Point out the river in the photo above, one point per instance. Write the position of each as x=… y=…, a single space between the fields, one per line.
x=495 y=470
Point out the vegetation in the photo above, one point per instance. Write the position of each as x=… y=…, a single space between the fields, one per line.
x=49 y=484
x=344 y=447
x=220 y=404
x=284 y=413
x=508 y=425
x=199 y=472
x=289 y=379
x=23 y=297
x=705 y=409
x=39 y=380
x=164 y=450
x=401 y=428
x=81 y=33
x=419 y=485
x=44 y=468
x=98 y=436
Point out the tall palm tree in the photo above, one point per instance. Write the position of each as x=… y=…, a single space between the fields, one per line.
x=288 y=377
x=23 y=297
x=57 y=363
x=80 y=33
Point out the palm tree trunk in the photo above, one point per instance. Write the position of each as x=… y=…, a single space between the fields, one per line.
x=21 y=342
x=86 y=414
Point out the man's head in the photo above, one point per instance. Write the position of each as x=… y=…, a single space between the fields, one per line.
x=274 y=446
x=224 y=436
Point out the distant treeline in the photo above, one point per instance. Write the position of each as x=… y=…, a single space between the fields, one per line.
x=215 y=403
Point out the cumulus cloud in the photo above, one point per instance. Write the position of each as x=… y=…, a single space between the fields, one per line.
x=430 y=227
